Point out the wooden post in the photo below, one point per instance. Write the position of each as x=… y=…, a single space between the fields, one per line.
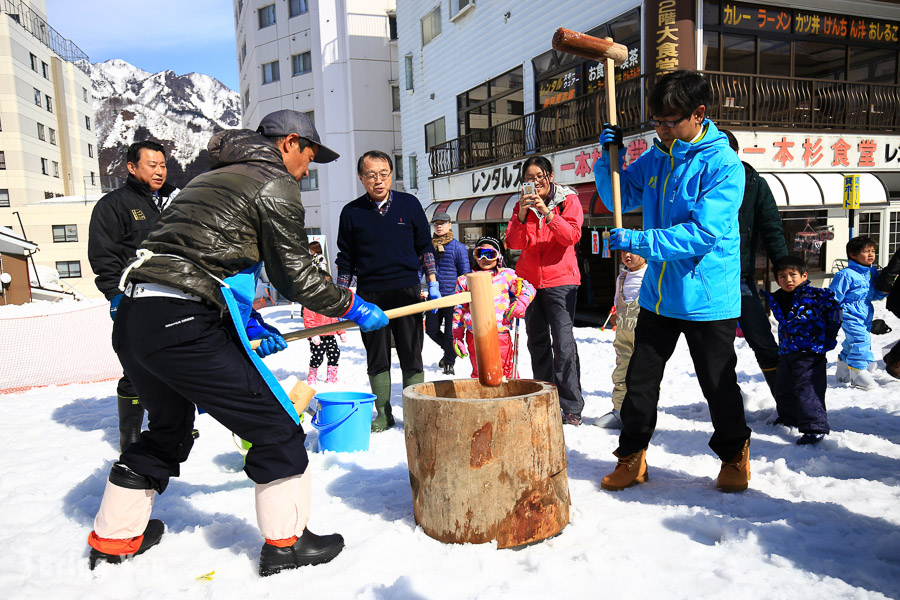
x=484 y=328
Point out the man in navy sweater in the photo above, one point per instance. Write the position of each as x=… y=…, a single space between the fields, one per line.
x=384 y=241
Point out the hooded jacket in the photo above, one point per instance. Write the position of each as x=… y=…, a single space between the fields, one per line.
x=246 y=210
x=812 y=322
x=548 y=249
x=690 y=194
x=759 y=220
x=887 y=283
x=854 y=288
x=120 y=221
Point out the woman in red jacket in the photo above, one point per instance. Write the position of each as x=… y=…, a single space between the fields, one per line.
x=546 y=227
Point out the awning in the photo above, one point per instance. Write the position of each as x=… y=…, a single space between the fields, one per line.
x=500 y=208
x=826 y=190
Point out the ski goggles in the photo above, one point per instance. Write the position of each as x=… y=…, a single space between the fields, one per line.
x=487 y=253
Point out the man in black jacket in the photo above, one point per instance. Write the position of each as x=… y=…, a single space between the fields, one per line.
x=759 y=220
x=120 y=221
x=889 y=283
x=183 y=332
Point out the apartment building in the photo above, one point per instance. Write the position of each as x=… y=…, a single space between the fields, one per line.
x=337 y=61
x=48 y=149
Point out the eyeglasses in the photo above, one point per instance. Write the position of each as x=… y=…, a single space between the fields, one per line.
x=536 y=179
x=669 y=124
x=487 y=253
x=372 y=175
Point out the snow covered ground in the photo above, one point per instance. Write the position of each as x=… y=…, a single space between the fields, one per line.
x=817 y=522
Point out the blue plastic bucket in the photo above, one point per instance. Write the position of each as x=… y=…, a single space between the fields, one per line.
x=344 y=420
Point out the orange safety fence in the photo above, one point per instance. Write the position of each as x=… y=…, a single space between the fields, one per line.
x=58 y=348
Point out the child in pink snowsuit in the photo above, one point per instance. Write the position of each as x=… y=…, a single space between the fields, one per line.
x=510 y=305
x=322 y=346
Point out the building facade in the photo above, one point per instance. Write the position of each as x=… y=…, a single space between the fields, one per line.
x=337 y=61
x=48 y=149
x=811 y=91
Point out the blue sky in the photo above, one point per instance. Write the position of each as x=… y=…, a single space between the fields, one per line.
x=182 y=35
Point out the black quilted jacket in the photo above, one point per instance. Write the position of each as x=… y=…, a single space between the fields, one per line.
x=245 y=210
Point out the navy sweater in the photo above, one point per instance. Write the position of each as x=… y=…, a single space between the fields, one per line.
x=382 y=250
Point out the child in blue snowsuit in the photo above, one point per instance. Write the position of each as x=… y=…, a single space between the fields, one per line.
x=854 y=288
x=809 y=319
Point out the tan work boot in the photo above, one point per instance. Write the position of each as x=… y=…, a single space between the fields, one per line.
x=734 y=475
x=630 y=470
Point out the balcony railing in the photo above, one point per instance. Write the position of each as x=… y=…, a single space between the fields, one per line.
x=22 y=14
x=739 y=101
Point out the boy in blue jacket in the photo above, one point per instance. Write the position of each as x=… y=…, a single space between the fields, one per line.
x=690 y=185
x=854 y=288
x=809 y=319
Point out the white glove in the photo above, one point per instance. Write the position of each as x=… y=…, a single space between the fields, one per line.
x=316 y=340
x=343 y=337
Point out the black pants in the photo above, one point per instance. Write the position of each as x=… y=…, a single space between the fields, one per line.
x=893 y=355
x=549 y=323
x=181 y=353
x=408 y=333
x=711 y=344
x=443 y=338
x=125 y=389
x=800 y=391
x=326 y=347
x=756 y=327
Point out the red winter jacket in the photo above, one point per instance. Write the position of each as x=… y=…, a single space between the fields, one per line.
x=548 y=249
x=313 y=319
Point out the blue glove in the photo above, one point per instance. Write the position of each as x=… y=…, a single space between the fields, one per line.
x=365 y=314
x=611 y=134
x=434 y=292
x=270 y=338
x=621 y=239
x=114 y=305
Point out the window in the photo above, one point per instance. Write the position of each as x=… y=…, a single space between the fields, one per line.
x=246 y=98
x=2 y=159
x=301 y=63
x=55 y=169
x=45 y=69
x=93 y=178
x=408 y=63
x=395 y=98
x=495 y=102
x=244 y=51
x=4 y=198
x=413 y=173
x=266 y=16
x=457 y=5
x=312 y=116
x=392 y=25
x=65 y=233
x=435 y=133
x=270 y=72
x=298 y=7
x=84 y=94
x=68 y=269
x=34 y=62
x=398 y=164
x=45 y=166
x=41 y=135
x=37 y=97
x=893 y=233
x=52 y=136
x=431 y=25
x=91 y=150
x=49 y=103
x=311 y=181
x=870 y=225
x=87 y=121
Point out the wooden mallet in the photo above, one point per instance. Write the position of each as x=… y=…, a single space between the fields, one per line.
x=610 y=54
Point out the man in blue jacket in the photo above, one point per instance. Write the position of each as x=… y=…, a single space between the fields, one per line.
x=451 y=260
x=690 y=185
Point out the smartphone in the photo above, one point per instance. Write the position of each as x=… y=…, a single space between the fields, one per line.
x=528 y=188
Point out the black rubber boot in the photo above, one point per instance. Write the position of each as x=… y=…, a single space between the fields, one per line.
x=381 y=387
x=309 y=549
x=131 y=416
x=152 y=534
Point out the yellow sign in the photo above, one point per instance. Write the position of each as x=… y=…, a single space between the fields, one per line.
x=851 y=192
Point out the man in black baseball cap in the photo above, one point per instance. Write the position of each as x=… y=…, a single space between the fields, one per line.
x=285 y=122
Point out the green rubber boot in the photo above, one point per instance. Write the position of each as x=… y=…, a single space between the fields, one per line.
x=381 y=387
x=412 y=377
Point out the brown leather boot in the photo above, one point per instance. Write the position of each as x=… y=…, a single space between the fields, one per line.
x=630 y=470
x=734 y=475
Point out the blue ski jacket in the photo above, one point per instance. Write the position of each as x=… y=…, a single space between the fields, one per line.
x=690 y=194
x=812 y=323
x=854 y=288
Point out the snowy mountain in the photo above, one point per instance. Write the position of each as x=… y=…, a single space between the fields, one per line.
x=180 y=111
